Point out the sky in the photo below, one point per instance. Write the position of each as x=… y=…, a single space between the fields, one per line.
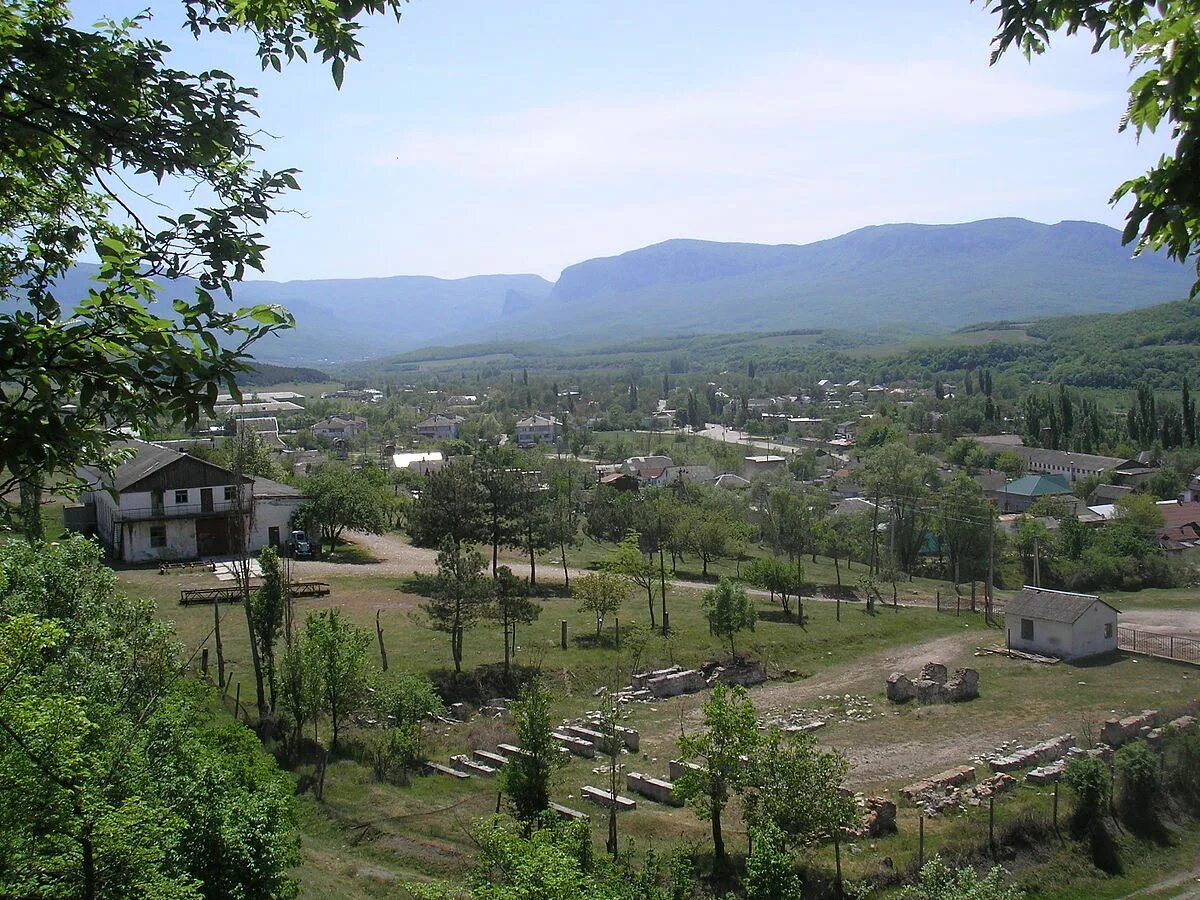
x=478 y=137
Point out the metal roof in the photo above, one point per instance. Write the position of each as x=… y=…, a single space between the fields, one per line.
x=1037 y=486
x=1051 y=606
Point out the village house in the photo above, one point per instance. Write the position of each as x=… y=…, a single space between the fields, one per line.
x=334 y=427
x=687 y=474
x=171 y=506
x=255 y=408
x=755 y=465
x=647 y=467
x=1072 y=466
x=440 y=427
x=1018 y=496
x=423 y=463
x=260 y=397
x=1108 y=493
x=358 y=395
x=1061 y=624
x=538 y=429
x=620 y=481
x=266 y=428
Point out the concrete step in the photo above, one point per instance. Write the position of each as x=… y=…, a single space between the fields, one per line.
x=676 y=768
x=595 y=738
x=508 y=751
x=577 y=746
x=566 y=812
x=603 y=798
x=464 y=763
x=488 y=758
x=656 y=789
x=445 y=770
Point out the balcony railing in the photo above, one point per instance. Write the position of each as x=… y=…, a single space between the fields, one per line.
x=177 y=511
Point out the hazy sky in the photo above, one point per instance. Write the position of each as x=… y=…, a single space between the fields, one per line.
x=480 y=137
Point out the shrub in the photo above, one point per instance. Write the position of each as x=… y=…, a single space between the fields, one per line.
x=940 y=882
x=396 y=752
x=1140 y=784
x=1181 y=762
x=1087 y=780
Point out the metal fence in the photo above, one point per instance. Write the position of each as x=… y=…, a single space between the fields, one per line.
x=1165 y=646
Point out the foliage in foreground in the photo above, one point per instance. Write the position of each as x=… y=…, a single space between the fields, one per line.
x=114 y=778
x=557 y=863
x=940 y=882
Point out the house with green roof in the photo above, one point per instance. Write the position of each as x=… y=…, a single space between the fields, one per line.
x=1017 y=496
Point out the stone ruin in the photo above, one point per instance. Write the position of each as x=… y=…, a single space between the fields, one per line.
x=669 y=682
x=1045 y=762
x=1049 y=751
x=1121 y=731
x=933 y=685
x=877 y=816
x=676 y=680
x=953 y=789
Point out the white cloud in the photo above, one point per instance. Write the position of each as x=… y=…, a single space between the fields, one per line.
x=774 y=122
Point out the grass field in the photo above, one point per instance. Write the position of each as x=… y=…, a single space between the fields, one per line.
x=367 y=836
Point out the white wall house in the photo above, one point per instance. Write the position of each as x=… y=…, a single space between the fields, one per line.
x=334 y=427
x=538 y=429
x=440 y=427
x=164 y=505
x=1059 y=623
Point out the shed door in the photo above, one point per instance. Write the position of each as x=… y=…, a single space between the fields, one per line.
x=214 y=537
x=206 y=500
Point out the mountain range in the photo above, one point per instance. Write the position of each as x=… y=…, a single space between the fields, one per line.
x=929 y=278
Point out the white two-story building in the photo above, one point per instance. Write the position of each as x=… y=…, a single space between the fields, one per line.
x=440 y=427
x=538 y=429
x=163 y=505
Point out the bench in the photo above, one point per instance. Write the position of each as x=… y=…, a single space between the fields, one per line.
x=233 y=594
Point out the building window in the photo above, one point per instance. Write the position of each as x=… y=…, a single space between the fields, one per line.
x=230 y=492
x=158 y=535
x=1107 y=630
x=181 y=496
x=1027 y=629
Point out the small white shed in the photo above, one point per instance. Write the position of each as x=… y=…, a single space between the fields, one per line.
x=1060 y=623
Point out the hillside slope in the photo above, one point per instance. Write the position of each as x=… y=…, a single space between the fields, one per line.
x=354 y=318
x=908 y=278
x=932 y=276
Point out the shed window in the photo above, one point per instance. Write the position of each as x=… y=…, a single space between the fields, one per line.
x=1027 y=629
x=1107 y=630
x=230 y=492
x=181 y=496
x=158 y=535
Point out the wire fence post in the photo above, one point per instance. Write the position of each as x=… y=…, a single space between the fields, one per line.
x=921 y=846
x=992 y=825
x=1056 y=831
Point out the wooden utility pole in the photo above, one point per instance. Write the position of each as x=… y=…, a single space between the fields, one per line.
x=662 y=582
x=220 y=649
x=1037 y=564
x=383 y=649
x=991 y=585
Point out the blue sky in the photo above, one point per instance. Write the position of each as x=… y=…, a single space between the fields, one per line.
x=479 y=137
